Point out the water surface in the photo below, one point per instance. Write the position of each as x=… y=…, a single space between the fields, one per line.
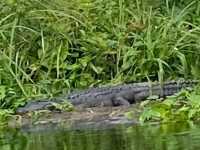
x=180 y=136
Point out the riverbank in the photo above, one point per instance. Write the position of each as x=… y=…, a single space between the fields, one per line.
x=97 y=117
x=51 y=47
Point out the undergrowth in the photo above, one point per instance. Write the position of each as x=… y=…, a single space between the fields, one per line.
x=184 y=106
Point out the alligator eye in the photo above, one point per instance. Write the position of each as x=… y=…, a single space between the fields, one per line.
x=71 y=97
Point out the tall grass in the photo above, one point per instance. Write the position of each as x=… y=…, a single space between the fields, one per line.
x=48 y=47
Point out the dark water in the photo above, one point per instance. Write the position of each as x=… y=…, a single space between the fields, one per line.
x=181 y=136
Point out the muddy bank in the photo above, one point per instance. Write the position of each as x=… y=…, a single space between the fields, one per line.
x=93 y=118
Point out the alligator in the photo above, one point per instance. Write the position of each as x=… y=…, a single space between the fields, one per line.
x=111 y=96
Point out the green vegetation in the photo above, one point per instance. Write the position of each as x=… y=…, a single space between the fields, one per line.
x=48 y=47
x=184 y=106
x=64 y=106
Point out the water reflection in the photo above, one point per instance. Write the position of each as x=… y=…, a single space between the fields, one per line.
x=156 y=137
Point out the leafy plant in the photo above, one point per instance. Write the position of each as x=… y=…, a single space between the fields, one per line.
x=184 y=106
x=65 y=106
x=5 y=115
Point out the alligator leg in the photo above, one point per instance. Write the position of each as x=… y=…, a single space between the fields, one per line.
x=120 y=101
